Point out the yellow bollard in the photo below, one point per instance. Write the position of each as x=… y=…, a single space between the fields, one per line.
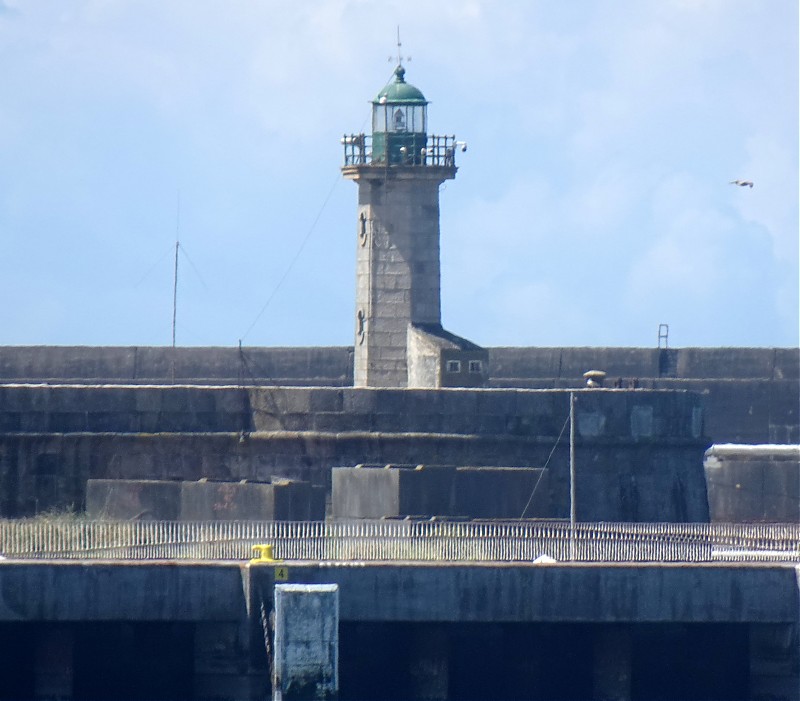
x=263 y=554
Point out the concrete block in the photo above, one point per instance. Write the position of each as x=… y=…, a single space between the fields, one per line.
x=376 y=492
x=306 y=642
x=590 y=424
x=211 y=421
x=176 y=399
x=334 y=422
x=491 y=425
x=786 y=364
x=364 y=492
x=149 y=422
x=460 y=403
x=108 y=422
x=10 y=421
x=168 y=422
x=753 y=483
x=148 y=400
x=328 y=400
x=297 y=501
x=226 y=501
x=497 y=403
x=126 y=500
x=68 y=422
x=641 y=421
x=234 y=401
x=203 y=402
x=360 y=400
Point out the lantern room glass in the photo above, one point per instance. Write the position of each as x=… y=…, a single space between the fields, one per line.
x=399 y=118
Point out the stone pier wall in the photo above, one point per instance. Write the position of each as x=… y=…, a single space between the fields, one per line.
x=204 y=631
x=753 y=394
x=639 y=453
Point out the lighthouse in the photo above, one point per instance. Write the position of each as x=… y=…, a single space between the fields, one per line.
x=399 y=339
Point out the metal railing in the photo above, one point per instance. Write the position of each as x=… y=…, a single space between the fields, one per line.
x=395 y=540
x=438 y=151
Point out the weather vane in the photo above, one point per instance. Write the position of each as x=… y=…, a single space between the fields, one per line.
x=400 y=56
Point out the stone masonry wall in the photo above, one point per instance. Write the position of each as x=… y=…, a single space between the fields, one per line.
x=153 y=364
x=753 y=393
x=397 y=269
x=333 y=365
x=634 y=447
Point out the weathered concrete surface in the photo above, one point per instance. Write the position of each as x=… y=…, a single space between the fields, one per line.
x=753 y=393
x=390 y=491
x=726 y=615
x=527 y=363
x=312 y=365
x=306 y=642
x=639 y=453
x=202 y=409
x=161 y=364
x=202 y=500
x=561 y=592
x=120 y=591
x=192 y=591
x=154 y=630
x=753 y=483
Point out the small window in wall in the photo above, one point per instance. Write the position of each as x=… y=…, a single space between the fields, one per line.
x=453 y=366
x=475 y=366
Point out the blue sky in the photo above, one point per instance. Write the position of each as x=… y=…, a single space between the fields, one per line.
x=592 y=204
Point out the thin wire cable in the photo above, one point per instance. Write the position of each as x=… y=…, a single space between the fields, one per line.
x=303 y=244
x=546 y=463
x=166 y=252
x=194 y=267
x=294 y=260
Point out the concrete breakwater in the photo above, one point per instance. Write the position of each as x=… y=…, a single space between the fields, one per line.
x=639 y=453
x=183 y=629
x=752 y=393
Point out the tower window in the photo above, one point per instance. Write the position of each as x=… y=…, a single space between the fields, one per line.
x=475 y=366
x=399 y=120
x=453 y=366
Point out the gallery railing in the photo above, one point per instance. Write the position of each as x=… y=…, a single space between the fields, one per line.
x=399 y=540
x=434 y=151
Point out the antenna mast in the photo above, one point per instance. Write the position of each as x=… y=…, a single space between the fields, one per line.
x=175 y=275
x=399 y=56
x=572 y=508
x=175 y=283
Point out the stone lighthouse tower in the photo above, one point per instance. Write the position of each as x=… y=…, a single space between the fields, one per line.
x=399 y=338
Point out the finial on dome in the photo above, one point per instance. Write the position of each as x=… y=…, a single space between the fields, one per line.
x=399 y=72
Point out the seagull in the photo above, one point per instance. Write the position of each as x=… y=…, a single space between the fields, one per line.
x=742 y=183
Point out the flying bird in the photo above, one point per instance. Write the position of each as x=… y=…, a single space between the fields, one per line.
x=742 y=183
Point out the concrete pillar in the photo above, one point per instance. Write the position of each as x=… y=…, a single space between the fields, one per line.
x=774 y=662
x=611 y=671
x=429 y=663
x=222 y=665
x=53 y=663
x=306 y=665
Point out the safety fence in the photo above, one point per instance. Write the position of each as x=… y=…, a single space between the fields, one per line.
x=398 y=540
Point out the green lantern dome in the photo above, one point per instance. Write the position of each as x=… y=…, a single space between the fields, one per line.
x=399 y=116
x=398 y=91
